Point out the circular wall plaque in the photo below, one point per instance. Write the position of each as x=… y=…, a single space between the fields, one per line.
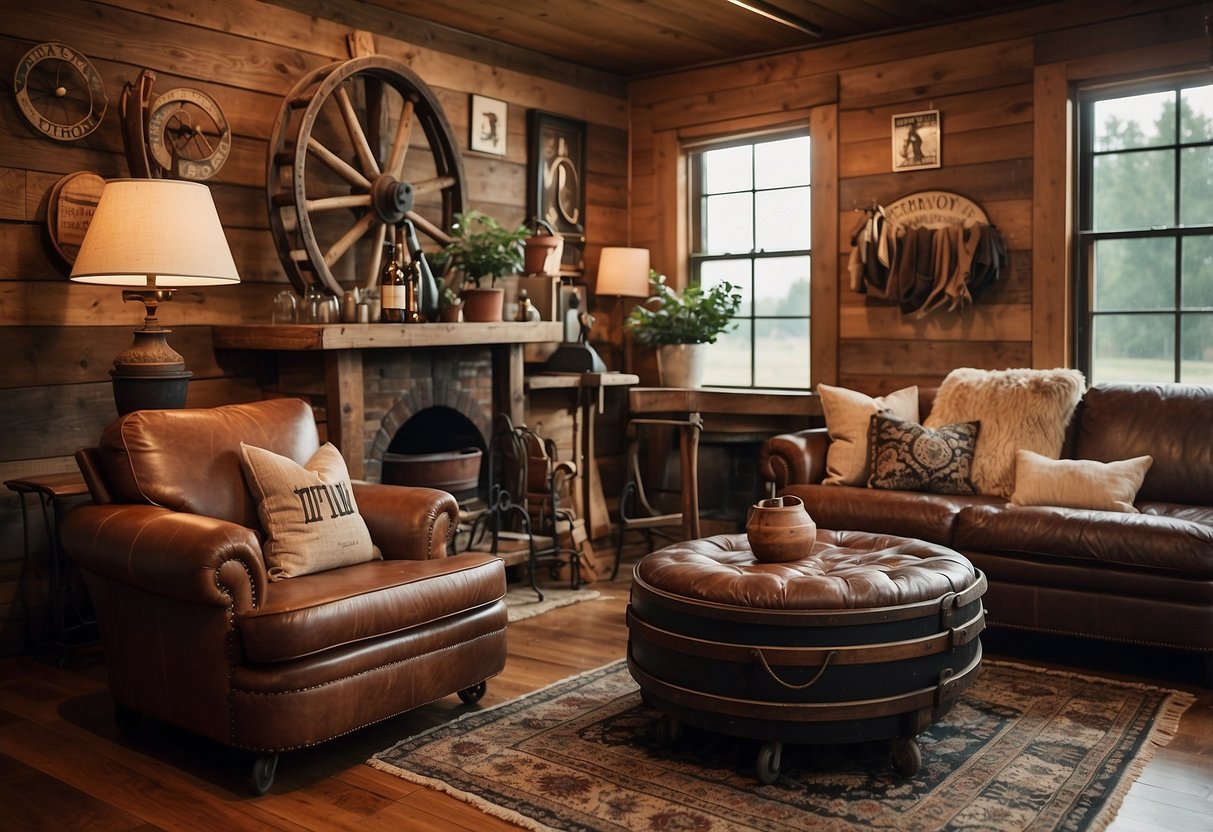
x=69 y=210
x=187 y=134
x=59 y=92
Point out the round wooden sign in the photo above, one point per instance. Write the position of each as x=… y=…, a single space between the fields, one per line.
x=69 y=210
x=59 y=92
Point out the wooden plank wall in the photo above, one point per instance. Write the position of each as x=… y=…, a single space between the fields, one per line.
x=59 y=339
x=1002 y=87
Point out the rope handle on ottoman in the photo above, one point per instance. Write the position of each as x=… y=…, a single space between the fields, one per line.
x=763 y=661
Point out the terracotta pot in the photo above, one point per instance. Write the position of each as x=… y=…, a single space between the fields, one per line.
x=681 y=365
x=452 y=314
x=780 y=529
x=537 y=251
x=483 y=305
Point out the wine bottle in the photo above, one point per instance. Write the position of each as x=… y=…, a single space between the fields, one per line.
x=427 y=285
x=391 y=286
x=411 y=313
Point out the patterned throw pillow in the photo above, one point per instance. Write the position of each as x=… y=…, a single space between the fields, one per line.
x=308 y=512
x=906 y=456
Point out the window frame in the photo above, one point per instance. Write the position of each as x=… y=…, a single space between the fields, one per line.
x=696 y=257
x=1087 y=239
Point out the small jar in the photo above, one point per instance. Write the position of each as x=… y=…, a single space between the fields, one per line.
x=286 y=307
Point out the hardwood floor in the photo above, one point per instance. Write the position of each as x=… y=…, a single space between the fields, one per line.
x=65 y=766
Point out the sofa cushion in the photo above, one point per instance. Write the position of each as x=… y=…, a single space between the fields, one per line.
x=313 y=613
x=848 y=415
x=308 y=512
x=1078 y=483
x=189 y=459
x=1170 y=422
x=909 y=457
x=1017 y=409
x=929 y=517
x=1147 y=541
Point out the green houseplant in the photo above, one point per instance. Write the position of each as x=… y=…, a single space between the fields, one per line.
x=480 y=248
x=679 y=323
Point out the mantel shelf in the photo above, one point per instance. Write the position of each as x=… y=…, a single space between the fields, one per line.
x=383 y=336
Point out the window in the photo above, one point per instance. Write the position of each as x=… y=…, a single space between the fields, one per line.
x=1145 y=255
x=750 y=227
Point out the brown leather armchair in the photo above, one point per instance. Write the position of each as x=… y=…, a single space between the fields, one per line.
x=196 y=635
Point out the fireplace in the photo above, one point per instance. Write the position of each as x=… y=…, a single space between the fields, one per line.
x=438 y=447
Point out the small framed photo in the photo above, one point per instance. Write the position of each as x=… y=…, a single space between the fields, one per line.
x=917 y=140
x=556 y=167
x=488 y=125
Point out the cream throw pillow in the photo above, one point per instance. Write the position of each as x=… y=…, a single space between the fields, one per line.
x=1017 y=409
x=848 y=415
x=1078 y=483
x=308 y=512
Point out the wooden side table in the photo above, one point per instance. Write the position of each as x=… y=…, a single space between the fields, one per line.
x=67 y=624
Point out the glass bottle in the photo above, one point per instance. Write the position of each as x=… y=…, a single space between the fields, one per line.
x=427 y=286
x=391 y=286
x=412 y=281
x=311 y=311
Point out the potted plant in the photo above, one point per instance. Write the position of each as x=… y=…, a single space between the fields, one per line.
x=678 y=323
x=450 y=307
x=482 y=248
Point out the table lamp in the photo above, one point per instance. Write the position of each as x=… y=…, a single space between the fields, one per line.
x=155 y=236
x=623 y=272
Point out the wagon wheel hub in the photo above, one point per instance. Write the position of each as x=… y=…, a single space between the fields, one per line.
x=391 y=199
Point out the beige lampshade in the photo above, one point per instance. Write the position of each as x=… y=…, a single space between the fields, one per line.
x=155 y=232
x=624 y=272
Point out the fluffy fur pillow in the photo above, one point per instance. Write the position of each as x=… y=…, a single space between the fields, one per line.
x=1079 y=483
x=909 y=457
x=308 y=512
x=848 y=414
x=1018 y=409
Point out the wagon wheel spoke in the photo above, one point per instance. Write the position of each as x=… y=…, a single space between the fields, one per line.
x=400 y=142
x=429 y=186
x=356 y=231
x=338 y=165
x=372 y=277
x=362 y=146
x=332 y=203
x=435 y=233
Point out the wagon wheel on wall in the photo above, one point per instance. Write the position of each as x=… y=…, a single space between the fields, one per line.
x=344 y=165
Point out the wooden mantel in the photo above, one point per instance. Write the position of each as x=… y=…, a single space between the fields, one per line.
x=342 y=345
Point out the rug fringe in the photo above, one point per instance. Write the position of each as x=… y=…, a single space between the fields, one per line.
x=478 y=802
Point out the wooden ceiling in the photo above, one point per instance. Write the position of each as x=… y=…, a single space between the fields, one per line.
x=639 y=37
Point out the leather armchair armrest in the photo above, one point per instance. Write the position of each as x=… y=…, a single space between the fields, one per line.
x=407 y=522
x=791 y=458
x=187 y=557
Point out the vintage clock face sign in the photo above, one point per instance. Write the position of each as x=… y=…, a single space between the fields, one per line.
x=187 y=134
x=59 y=92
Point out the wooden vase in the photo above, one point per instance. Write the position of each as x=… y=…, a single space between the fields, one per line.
x=780 y=529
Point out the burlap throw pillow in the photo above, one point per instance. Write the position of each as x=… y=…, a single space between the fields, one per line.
x=1079 y=483
x=308 y=512
x=1018 y=409
x=909 y=457
x=848 y=415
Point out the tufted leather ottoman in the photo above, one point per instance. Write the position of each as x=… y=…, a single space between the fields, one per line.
x=869 y=637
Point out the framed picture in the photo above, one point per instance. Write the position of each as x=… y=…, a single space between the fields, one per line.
x=556 y=169
x=488 y=125
x=917 y=140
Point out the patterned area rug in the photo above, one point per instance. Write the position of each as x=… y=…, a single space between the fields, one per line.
x=521 y=602
x=1024 y=748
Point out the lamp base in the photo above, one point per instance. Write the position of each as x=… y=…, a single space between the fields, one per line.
x=575 y=357
x=149 y=374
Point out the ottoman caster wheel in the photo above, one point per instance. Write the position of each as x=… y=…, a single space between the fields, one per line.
x=262 y=775
x=906 y=757
x=767 y=765
x=668 y=731
x=472 y=695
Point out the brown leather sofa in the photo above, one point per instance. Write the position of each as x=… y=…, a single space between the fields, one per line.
x=194 y=632
x=1143 y=578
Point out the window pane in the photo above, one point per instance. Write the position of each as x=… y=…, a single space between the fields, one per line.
x=781 y=353
x=782 y=219
x=727 y=169
x=1196 y=114
x=1136 y=121
x=1134 y=274
x=729 y=359
x=1198 y=273
x=1133 y=348
x=1196 y=365
x=1134 y=190
x=728 y=224
x=782 y=163
x=1196 y=186
x=737 y=272
x=781 y=286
